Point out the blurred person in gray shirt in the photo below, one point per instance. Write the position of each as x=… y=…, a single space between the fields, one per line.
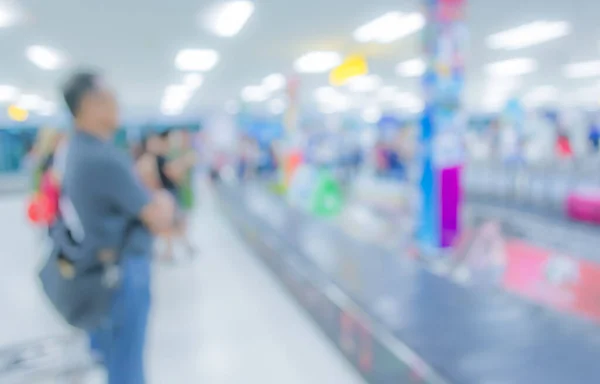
x=104 y=204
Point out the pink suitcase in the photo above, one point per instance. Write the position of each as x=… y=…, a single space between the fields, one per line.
x=584 y=205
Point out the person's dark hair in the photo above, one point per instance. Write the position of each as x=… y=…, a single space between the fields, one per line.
x=77 y=86
x=165 y=134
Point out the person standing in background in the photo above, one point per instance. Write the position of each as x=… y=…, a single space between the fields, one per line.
x=183 y=147
x=112 y=217
x=161 y=172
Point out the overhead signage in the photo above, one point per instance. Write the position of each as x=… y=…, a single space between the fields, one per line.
x=353 y=66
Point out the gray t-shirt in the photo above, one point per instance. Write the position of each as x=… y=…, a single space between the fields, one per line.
x=103 y=196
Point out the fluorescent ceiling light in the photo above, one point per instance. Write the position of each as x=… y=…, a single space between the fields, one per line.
x=170 y=111
x=274 y=82
x=254 y=94
x=366 y=83
x=175 y=99
x=227 y=19
x=178 y=92
x=387 y=93
x=276 y=106
x=541 y=95
x=503 y=85
x=583 y=69
x=196 y=60
x=30 y=102
x=317 y=62
x=390 y=27
x=529 y=34
x=44 y=57
x=512 y=67
x=326 y=93
x=193 y=80
x=9 y=15
x=409 y=102
x=411 y=68
x=8 y=93
x=371 y=114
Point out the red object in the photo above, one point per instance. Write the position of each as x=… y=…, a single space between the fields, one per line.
x=563 y=147
x=559 y=281
x=43 y=207
x=584 y=207
x=40 y=210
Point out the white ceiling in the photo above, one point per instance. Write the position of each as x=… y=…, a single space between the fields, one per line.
x=135 y=43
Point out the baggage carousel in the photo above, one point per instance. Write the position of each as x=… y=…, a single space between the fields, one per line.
x=396 y=320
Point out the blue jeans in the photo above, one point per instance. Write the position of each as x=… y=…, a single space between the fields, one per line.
x=121 y=341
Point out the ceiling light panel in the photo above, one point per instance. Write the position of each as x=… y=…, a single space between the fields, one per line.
x=390 y=27
x=583 y=69
x=318 y=62
x=274 y=82
x=541 y=96
x=196 y=60
x=44 y=57
x=193 y=80
x=371 y=114
x=254 y=94
x=30 y=102
x=9 y=15
x=512 y=67
x=411 y=68
x=528 y=35
x=367 y=83
x=8 y=93
x=228 y=18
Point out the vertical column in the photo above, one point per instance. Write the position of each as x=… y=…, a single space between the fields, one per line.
x=443 y=50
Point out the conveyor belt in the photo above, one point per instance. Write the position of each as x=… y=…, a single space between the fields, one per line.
x=468 y=336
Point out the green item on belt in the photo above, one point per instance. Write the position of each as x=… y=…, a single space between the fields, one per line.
x=327 y=197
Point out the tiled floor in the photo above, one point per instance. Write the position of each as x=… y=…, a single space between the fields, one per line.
x=220 y=319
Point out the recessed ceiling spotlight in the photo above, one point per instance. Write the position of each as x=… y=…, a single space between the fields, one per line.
x=317 y=62
x=366 y=83
x=45 y=58
x=541 y=96
x=512 y=67
x=193 y=80
x=411 y=68
x=390 y=27
x=228 y=18
x=8 y=93
x=371 y=114
x=583 y=69
x=30 y=102
x=530 y=34
x=274 y=82
x=196 y=60
x=170 y=111
x=9 y=15
x=254 y=94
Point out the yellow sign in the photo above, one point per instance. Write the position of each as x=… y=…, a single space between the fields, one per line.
x=17 y=114
x=351 y=67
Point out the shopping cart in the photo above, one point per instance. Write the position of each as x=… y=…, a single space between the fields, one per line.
x=57 y=360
